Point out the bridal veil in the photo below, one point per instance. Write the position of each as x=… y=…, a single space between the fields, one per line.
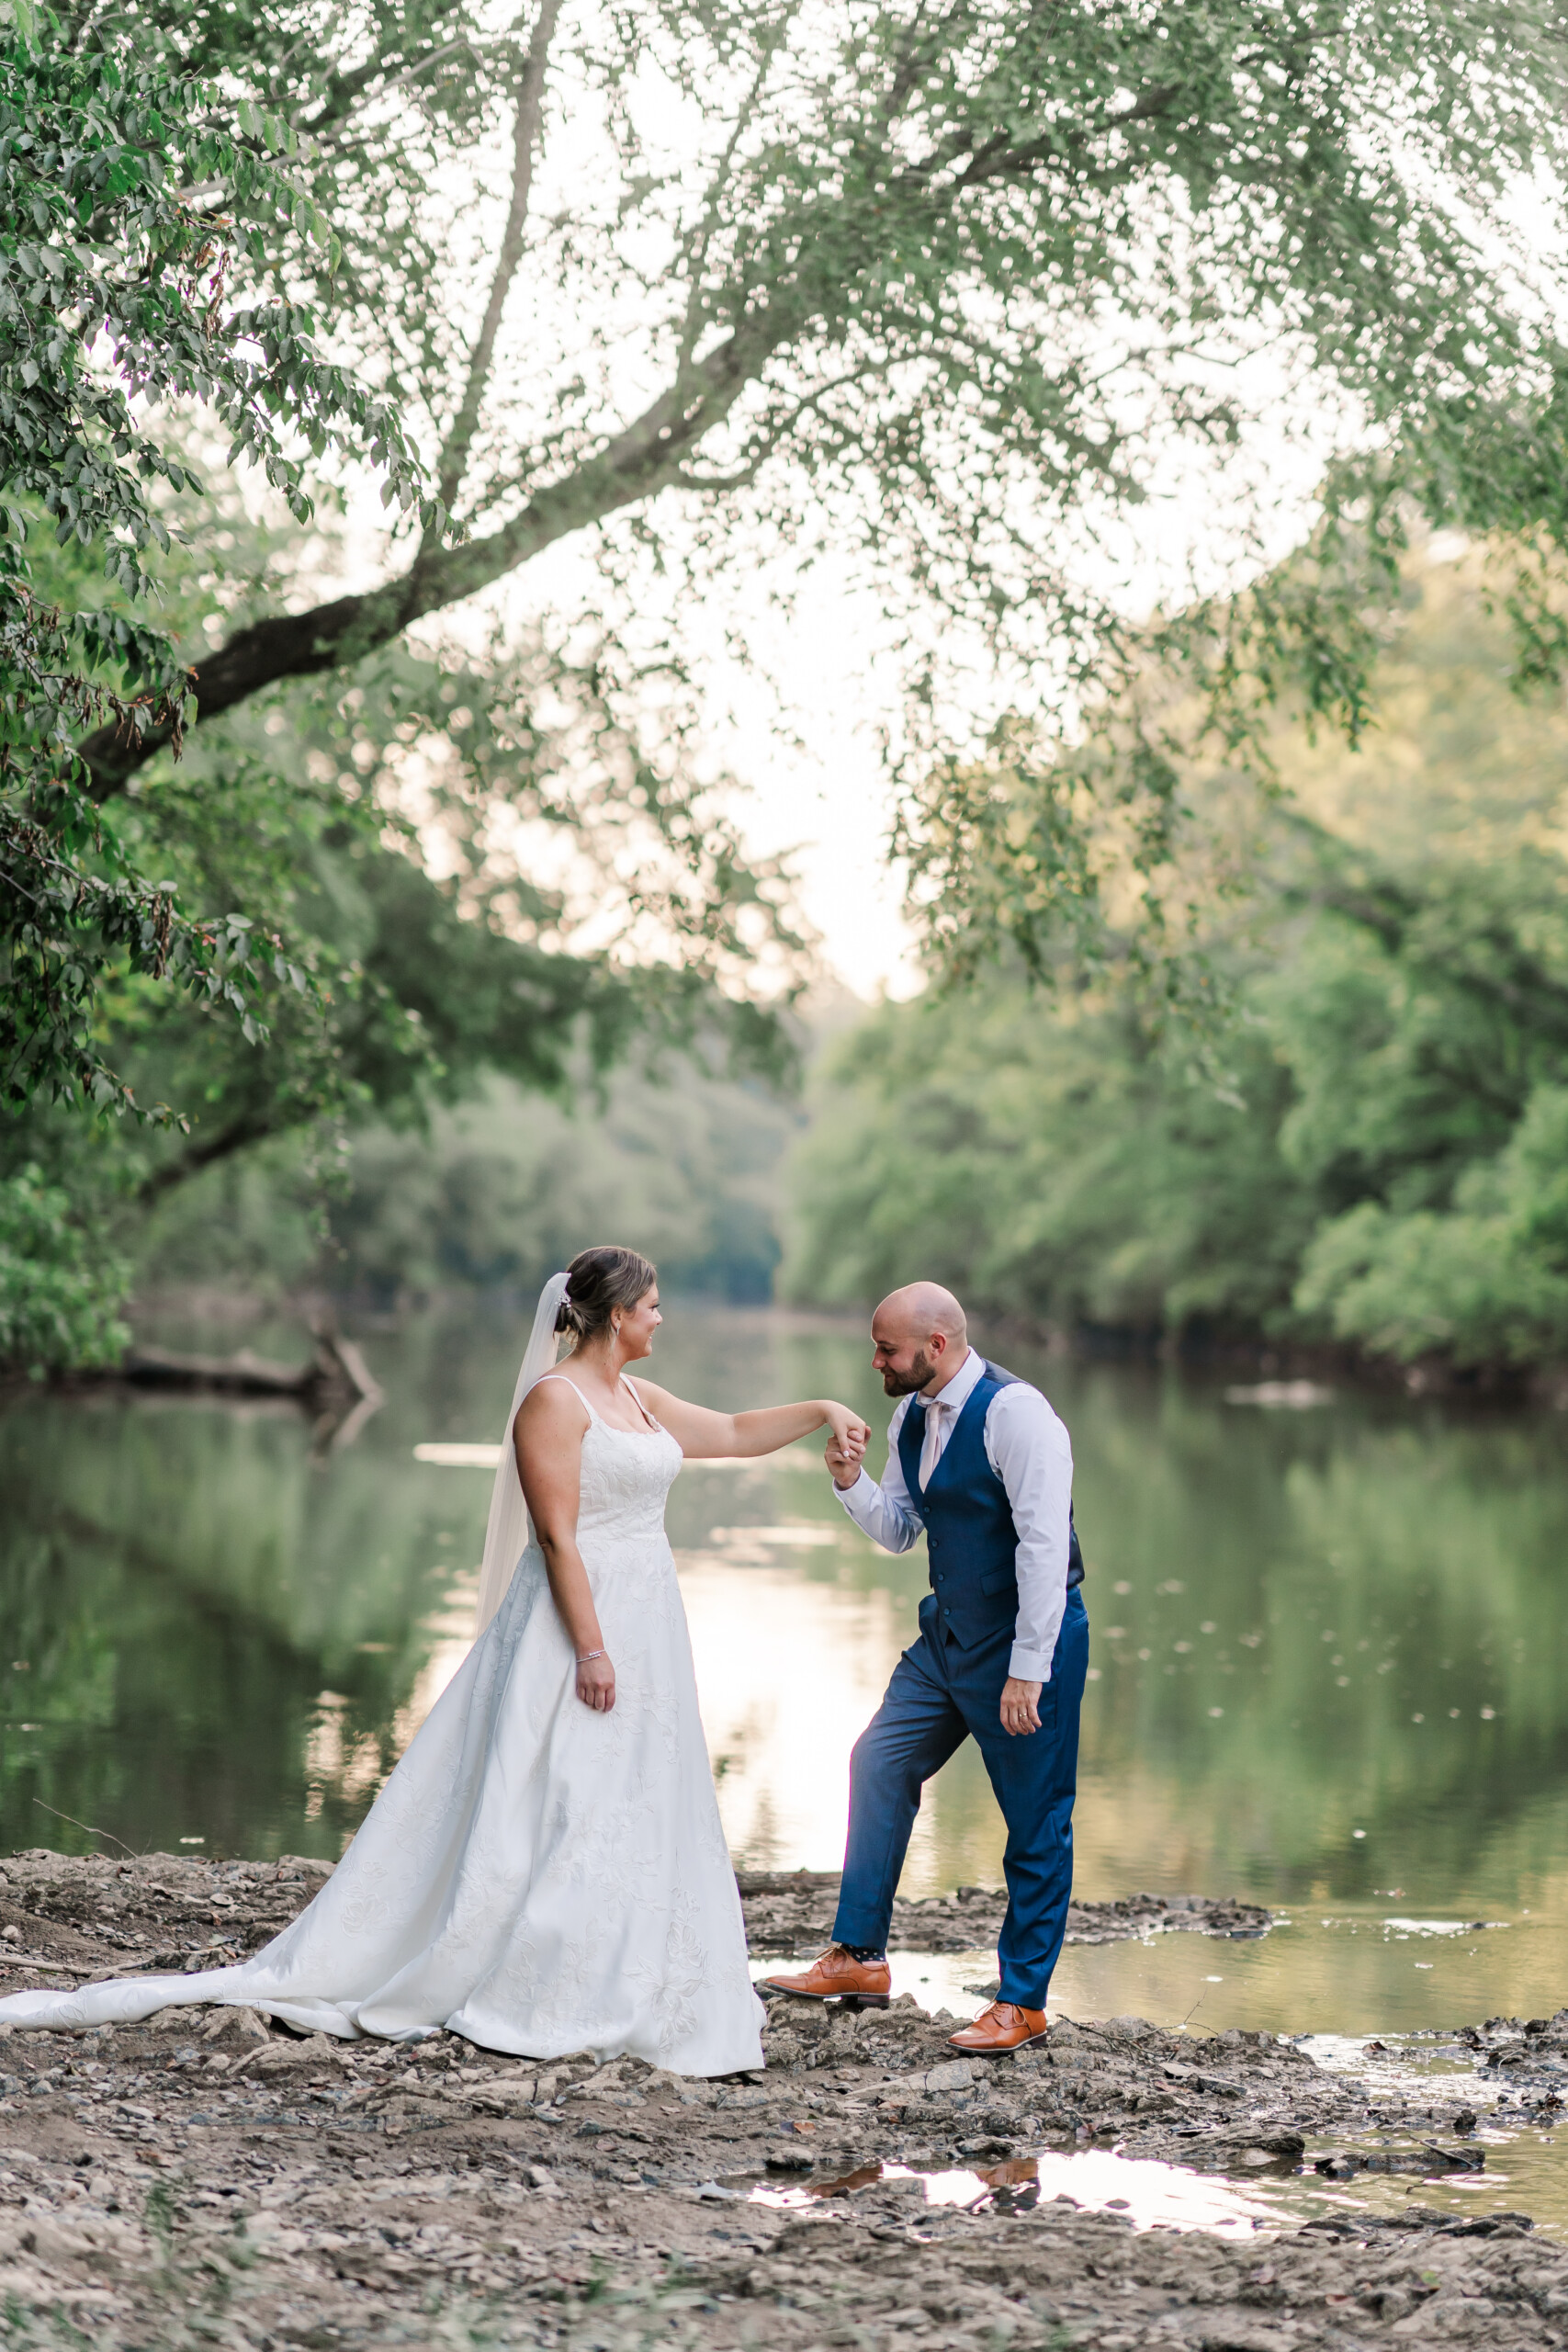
x=508 y=1531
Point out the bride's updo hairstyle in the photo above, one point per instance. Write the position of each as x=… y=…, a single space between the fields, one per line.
x=598 y=1283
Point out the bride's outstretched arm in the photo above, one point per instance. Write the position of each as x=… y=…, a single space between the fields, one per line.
x=547 y=1435
x=706 y=1436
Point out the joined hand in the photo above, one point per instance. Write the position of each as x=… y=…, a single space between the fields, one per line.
x=845 y=1452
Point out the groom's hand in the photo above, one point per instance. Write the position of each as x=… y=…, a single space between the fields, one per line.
x=1020 y=1705
x=845 y=1455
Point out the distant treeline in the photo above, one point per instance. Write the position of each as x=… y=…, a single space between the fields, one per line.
x=1374 y=1152
x=499 y=1191
x=492 y=1193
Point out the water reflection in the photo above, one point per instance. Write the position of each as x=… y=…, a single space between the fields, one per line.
x=1327 y=1650
x=1528 y=2183
x=1152 y=2195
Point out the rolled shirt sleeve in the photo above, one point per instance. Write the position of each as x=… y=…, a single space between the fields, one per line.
x=887 y=1513
x=1028 y=1447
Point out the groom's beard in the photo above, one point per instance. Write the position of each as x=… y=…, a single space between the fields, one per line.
x=904 y=1384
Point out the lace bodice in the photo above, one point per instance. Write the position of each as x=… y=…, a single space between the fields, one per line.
x=627 y=1477
x=626 y=1480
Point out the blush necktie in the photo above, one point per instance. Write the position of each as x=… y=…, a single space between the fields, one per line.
x=931 y=1442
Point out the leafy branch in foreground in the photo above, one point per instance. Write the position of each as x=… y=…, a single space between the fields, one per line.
x=957 y=290
x=1123 y=848
x=75 y=908
x=113 y=302
x=114 y=298
x=482 y=867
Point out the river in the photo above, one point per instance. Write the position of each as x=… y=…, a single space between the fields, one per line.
x=1327 y=1664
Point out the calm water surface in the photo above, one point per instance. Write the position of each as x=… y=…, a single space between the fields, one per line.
x=1328 y=1653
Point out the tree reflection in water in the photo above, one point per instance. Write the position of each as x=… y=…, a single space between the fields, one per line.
x=1306 y=1624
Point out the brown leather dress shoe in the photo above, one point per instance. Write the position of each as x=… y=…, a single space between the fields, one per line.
x=1004 y=2026
x=836 y=1976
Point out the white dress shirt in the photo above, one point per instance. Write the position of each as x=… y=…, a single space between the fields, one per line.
x=1029 y=1449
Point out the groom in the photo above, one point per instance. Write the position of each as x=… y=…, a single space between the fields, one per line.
x=978 y=1460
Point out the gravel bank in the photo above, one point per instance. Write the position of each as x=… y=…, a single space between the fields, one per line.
x=201 y=2179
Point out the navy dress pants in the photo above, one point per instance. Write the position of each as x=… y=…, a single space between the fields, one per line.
x=940 y=1695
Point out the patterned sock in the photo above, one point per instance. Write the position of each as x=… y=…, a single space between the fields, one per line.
x=865 y=1952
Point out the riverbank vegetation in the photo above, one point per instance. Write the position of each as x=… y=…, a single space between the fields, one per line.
x=494 y=1193
x=1370 y=1151
x=1360 y=1149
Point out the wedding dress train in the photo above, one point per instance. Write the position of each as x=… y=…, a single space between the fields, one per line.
x=534 y=1875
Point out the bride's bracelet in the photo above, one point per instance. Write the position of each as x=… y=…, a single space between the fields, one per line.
x=588 y=1657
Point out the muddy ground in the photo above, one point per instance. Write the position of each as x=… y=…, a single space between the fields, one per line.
x=203 y=2179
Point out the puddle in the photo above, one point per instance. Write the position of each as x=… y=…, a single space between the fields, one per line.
x=1401 y=2066
x=1526 y=2174
x=1152 y=2196
x=1517 y=2152
x=1524 y=2147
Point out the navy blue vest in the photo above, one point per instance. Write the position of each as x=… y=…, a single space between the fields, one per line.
x=971 y=1542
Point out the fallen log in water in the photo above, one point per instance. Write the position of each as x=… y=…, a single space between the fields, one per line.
x=337 y=1370
x=336 y=1385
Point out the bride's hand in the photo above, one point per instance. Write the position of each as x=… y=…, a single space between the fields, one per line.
x=596 y=1684
x=847 y=1440
x=849 y=1433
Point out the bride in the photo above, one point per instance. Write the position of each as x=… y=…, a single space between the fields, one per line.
x=545 y=1870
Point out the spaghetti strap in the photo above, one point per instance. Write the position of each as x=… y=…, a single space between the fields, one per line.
x=642 y=1408
x=574 y=1388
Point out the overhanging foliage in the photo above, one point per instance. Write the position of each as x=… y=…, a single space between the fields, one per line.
x=114 y=300
x=956 y=289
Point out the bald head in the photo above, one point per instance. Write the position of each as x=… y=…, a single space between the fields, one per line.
x=918 y=1339
x=924 y=1309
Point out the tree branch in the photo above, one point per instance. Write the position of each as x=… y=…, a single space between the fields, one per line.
x=647 y=456
x=525 y=140
x=698 y=253
x=1000 y=158
x=252 y=1126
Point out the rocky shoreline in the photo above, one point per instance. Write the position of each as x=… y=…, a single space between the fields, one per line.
x=204 y=2178
x=792 y=1911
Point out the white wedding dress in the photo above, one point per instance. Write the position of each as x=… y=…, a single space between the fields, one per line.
x=536 y=1876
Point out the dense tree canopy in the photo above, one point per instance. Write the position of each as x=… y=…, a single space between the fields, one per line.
x=954 y=287
x=1381 y=1160
x=113 y=301
x=145 y=274
x=963 y=293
